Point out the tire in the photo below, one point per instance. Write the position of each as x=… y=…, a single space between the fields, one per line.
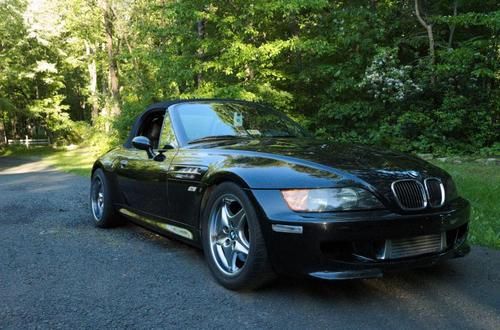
x=101 y=205
x=226 y=241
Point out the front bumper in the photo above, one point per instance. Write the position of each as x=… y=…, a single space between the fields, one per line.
x=343 y=245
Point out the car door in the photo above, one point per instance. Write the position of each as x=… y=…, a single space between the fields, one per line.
x=143 y=181
x=184 y=186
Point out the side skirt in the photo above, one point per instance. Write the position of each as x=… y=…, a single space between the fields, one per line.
x=162 y=228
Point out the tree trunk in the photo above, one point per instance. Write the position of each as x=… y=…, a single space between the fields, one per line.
x=13 y=123
x=200 y=25
x=452 y=26
x=430 y=35
x=3 y=130
x=92 y=71
x=113 y=79
x=143 y=85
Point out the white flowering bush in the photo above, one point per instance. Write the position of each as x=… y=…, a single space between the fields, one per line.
x=388 y=81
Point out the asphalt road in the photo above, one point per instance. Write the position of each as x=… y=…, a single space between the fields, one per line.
x=58 y=271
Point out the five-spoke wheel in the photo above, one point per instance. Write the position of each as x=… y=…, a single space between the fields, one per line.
x=97 y=198
x=232 y=239
x=101 y=204
x=229 y=235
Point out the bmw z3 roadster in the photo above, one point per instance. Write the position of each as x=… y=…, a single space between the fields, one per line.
x=262 y=197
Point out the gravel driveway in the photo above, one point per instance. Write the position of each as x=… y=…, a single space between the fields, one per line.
x=58 y=271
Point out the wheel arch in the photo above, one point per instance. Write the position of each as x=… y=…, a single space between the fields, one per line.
x=227 y=176
x=97 y=164
x=110 y=178
x=213 y=180
x=264 y=271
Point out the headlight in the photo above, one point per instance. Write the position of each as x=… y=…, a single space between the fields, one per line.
x=451 y=189
x=334 y=199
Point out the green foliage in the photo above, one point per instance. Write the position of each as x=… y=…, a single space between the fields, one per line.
x=353 y=71
x=51 y=113
x=35 y=73
x=87 y=136
x=72 y=160
x=388 y=81
x=480 y=184
x=494 y=150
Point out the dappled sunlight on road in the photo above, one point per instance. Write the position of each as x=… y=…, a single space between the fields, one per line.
x=7 y=168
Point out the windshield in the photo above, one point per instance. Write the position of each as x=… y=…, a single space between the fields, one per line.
x=227 y=120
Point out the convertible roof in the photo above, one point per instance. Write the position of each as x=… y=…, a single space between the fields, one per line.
x=164 y=105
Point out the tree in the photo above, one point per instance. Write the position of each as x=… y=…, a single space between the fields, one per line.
x=353 y=71
x=430 y=35
x=111 y=47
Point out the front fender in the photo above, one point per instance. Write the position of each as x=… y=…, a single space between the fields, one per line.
x=106 y=163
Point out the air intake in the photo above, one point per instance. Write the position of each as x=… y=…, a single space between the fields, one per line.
x=409 y=194
x=413 y=246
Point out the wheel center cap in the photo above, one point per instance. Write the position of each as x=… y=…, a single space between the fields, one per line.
x=232 y=235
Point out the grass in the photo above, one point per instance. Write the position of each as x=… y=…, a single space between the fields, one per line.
x=479 y=183
x=77 y=161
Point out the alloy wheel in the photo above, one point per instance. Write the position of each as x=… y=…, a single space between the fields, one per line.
x=97 y=198
x=229 y=234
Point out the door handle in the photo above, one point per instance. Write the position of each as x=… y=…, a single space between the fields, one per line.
x=123 y=163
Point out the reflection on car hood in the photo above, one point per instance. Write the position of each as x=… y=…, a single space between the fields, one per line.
x=363 y=161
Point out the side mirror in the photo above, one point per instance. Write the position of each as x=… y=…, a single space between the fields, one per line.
x=159 y=157
x=168 y=147
x=143 y=143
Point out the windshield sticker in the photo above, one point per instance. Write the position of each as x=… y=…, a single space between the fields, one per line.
x=238 y=119
x=254 y=132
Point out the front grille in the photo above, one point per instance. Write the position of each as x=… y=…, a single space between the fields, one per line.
x=413 y=246
x=435 y=192
x=409 y=194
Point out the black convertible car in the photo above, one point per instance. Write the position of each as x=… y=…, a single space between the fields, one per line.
x=263 y=197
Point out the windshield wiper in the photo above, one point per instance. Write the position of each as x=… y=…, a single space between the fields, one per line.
x=282 y=136
x=215 y=137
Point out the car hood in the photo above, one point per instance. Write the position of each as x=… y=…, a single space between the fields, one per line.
x=368 y=163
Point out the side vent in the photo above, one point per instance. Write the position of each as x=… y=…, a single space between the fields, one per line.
x=186 y=172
